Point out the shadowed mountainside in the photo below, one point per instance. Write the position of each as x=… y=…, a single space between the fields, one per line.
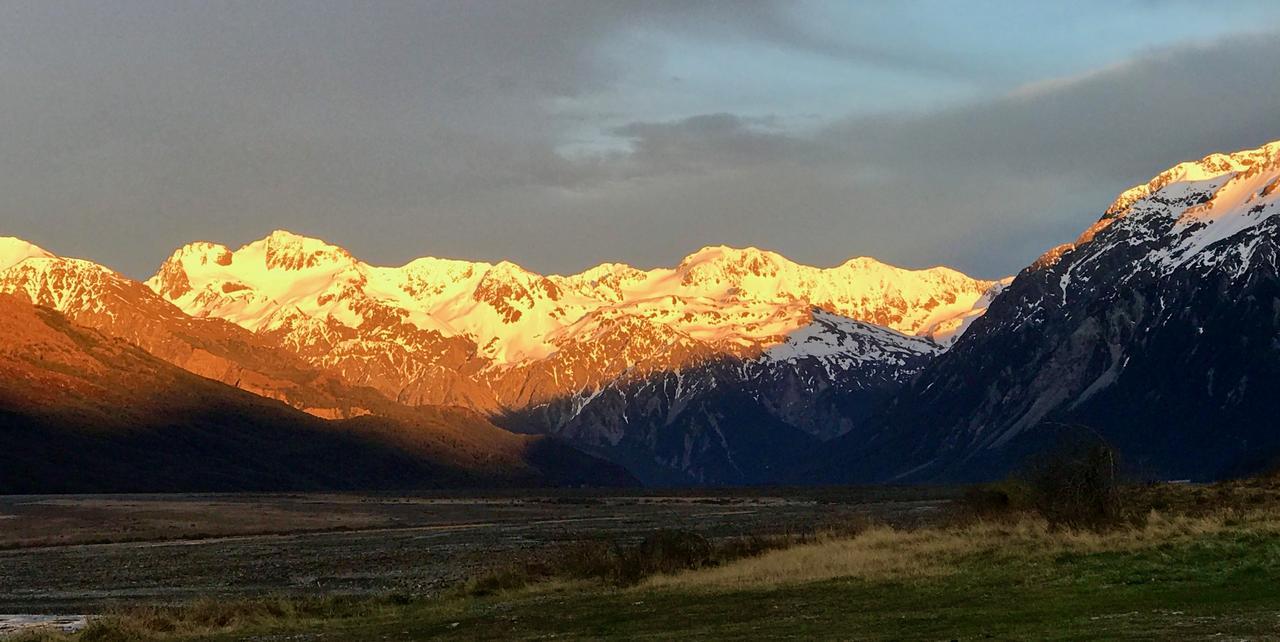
x=80 y=411
x=1157 y=330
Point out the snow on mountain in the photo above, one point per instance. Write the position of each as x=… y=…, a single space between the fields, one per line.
x=718 y=295
x=502 y=339
x=14 y=251
x=76 y=287
x=842 y=344
x=734 y=294
x=946 y=331
x=1226 y=195
x=266 y=283
x=1196 y=214
x=721 y=417
x=97 y=297
x=1156 y=330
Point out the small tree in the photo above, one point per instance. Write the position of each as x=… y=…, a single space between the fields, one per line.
x=1074 y=484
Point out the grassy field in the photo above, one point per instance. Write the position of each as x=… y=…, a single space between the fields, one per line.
x=1188 y=563
x=69 y=555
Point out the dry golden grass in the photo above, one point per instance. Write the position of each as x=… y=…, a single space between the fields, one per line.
x=885 y=553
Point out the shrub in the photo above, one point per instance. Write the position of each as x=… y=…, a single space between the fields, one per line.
x=1005 y=500
x=505 y=579
x=621 y=564
x=588 y=559
x=665 y=551
x=1074 y=485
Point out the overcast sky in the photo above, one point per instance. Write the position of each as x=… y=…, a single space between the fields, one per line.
x=562 y=134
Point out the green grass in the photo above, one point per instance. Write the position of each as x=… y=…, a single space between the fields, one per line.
x=1204 y=586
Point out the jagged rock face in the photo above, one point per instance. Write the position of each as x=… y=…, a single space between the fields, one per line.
x=742 y=418
x=827 y=377
x=1157 y=328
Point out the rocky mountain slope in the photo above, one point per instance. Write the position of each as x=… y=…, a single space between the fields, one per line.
x=1157 y=330
x=84 y=412
x=735 y=418
x=97 y=297
x=740 y=419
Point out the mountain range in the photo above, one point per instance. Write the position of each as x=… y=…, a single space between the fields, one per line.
x=304 y=322
x=1156 y=330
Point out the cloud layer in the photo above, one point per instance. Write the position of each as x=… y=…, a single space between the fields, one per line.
x=560 y=134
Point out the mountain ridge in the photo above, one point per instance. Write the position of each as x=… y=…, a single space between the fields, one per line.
x=1155 y=330
x=81 y=411
x=489 y=335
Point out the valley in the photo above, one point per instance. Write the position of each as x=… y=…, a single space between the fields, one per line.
x=89 y=554
x=1182 y=562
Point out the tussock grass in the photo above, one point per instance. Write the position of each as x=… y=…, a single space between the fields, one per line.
x=41 y=634
x=885 y=553
x=620 y=564
x=207 y=616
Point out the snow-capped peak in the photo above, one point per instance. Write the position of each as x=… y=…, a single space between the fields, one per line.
x=725 y=255
x=1209 y=168
x=1194 y=206
x=284 y=250
x=76 y=287
x=15 y=250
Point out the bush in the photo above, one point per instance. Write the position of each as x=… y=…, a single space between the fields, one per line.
x=1074 y=485
x=1003 y=500
x=663 y=551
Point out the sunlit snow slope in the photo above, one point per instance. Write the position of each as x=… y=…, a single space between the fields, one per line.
x=314 y=293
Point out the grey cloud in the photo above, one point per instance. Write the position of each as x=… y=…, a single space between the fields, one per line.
x=1116 y=124
x=1120 y=123
x=706 y=143
x=986 y=186
x=774 y=25
x=405 y=130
